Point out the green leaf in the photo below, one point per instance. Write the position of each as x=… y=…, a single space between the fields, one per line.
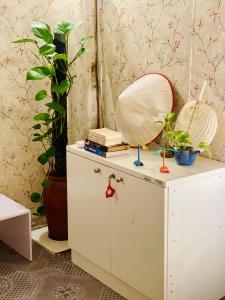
x=35 y=197
x=64 y=86
x=46 y=183
x=42 y=31
x=38 y=73
x=47 y=49
x=37 y=139
x=22 y=41
x=41 y=95
x=57 y=107
x=64 y=27
x=202 y=145
x=170 y=117
x=54 y=88
x=52 y=70
x=83 y=50
x=62 y=56
x=41 y=211
x=51 y=152
x=42 y=117
x=43 y=158
x=37 y=126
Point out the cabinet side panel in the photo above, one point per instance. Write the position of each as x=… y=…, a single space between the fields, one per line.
x=137 y=235
x=166 y=214
x=196 y=245
x=88 y=210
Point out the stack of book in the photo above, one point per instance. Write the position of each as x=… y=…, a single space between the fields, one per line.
x=105 y=142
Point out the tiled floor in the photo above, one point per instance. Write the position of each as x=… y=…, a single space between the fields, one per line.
x=46 y=278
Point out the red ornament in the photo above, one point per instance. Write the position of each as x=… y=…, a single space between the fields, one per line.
x=164 y=168
x=110 y=191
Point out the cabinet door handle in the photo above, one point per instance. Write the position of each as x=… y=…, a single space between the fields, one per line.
x=112 y=176
x=119 y=179
x=97 y=170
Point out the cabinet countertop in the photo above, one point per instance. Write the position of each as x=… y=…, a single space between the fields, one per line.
x=202 y=167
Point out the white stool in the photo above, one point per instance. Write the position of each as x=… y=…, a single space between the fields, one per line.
x=15 y=226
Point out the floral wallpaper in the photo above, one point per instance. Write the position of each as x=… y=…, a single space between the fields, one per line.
x=208 y=62
x=139 y=37
x=183 y=39
x=20 y=174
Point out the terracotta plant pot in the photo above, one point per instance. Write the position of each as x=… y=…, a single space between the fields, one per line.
x=55 y=200
x=168 y=154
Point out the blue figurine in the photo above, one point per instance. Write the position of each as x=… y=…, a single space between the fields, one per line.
x=138 y=162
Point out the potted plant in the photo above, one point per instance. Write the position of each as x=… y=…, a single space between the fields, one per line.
x=180 y=141
x=168 y=125
x=51 y=124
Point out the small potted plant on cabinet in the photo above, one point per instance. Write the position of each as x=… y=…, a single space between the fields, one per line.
x=180 y=141
x=51 y=124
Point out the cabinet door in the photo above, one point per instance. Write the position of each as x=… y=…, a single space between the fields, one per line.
x=137 y=235
x=88 y=210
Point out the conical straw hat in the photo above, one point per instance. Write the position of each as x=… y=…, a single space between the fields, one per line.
x=144 y=102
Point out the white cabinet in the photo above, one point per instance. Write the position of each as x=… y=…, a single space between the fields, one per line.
x=88 y=210
x=137 y=230
x=160 y=237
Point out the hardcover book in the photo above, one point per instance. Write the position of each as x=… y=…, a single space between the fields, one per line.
x=119 y=147
x=103 y=153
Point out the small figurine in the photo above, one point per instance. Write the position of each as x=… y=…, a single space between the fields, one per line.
x=138 y=162
x=164 y=168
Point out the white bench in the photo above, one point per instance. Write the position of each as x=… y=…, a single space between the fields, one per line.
x=15 y=226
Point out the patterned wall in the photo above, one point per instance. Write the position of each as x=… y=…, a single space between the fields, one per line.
x=184 y=39
x=144 y=36
x=20 y=174
x=208 y=61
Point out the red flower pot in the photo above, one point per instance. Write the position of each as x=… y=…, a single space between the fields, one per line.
x=55 y=200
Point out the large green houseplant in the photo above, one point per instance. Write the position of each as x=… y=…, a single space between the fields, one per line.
x=51 y=53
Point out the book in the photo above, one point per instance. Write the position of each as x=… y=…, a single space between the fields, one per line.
x=102 y=142
x=105 y=134
x=119 y=147
x=103 y=153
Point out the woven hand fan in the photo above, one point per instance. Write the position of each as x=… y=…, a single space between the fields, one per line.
x=140 y=106
x=199 y=119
